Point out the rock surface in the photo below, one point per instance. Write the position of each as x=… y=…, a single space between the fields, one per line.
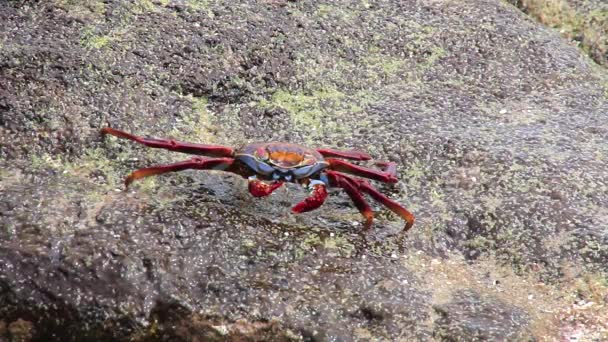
x=469 y=317
x=497 y=123
x=584 y=22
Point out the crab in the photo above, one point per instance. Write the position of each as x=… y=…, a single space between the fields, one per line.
x=268 y=165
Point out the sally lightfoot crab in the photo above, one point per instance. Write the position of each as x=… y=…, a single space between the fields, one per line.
x=268 y=165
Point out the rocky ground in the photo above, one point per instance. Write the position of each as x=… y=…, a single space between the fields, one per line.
x=498 y=125
x=583 y=22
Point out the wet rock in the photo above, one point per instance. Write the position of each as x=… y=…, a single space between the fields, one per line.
x=20 y=330
x=497 y=125
x=93 y=277
x=469 y=316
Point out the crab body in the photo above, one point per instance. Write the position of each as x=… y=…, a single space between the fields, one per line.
x=268 y=165
x=281 y=161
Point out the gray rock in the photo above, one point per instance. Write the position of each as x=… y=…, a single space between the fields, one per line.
x=497 y=124
x=470 y=317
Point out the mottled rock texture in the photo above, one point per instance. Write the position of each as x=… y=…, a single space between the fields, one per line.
x=584 y=22
x=498 y=124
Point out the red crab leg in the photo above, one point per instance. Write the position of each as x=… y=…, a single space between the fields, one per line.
x=198 y=163
x=174 y=145
x=361 y=185
x=353 y=155
x=389 y=203
x=315 y=200
x=339 y=180
x=387 y=175
x=258 y=188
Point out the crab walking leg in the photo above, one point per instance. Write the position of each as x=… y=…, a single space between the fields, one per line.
x=258 y=188
x=197 y=163
x=353 y=155
x=174 y=145
x=315 y=200
x=379 y=175
x=395 y=207
x=389 y=203
x=339 y=180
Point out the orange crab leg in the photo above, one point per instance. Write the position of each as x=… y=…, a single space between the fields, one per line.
x=198 y=163
x=353 y=188
x=387 y=174
x=389 y=203
x=315 y=200
x=258 y=188
x=353 y=155
x=174 y=145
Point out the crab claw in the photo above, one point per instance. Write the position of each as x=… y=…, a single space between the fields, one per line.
x=315 y=200
x=260 y=189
